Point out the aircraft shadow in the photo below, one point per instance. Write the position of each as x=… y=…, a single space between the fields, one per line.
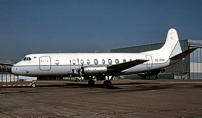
x=79 y=85
x=83 y=85
x=148 y=86
x=130 y=83
x=197 y=86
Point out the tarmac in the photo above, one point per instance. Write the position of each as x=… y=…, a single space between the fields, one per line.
x=125 y=99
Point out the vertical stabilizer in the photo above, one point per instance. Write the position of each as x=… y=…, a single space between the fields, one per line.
x=172 y=45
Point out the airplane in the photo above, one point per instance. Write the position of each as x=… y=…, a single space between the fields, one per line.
x=102 y=66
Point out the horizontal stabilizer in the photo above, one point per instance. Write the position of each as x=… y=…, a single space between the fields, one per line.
x=126 y=65
x=183 y=54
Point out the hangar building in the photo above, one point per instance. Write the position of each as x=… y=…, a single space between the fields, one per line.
x=189 y=68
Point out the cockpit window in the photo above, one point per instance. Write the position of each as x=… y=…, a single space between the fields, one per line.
x=26 y=59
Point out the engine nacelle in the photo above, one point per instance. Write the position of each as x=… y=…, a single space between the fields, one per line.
x=95 y=70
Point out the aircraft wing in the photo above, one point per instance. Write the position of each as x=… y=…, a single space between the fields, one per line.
x=126 y=65
x=183 y=54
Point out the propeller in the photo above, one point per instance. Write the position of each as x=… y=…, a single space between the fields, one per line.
x=80 y=70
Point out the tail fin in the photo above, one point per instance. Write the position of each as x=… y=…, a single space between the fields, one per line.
x=172 y=44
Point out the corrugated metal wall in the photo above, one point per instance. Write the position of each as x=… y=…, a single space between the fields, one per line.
x=196 y=60
x=196 y=64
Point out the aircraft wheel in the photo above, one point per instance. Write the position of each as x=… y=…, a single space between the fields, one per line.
x=33 y=85
x=107 y=83
x=91 y=83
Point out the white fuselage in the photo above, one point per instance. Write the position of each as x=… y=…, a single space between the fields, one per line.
x=59 y=64
x=62 y=64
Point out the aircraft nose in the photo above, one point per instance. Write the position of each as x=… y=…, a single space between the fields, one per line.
x=13 y=70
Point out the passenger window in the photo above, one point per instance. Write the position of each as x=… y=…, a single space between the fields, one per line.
x=73 y=61
x=82 y=61
x=130 y=59
x=29 y=59
x=56 y=62
x=88 y=61
x=117 y=61
x=124 y=61
x=95 y=61
x=110 y=61
x=103 y=61
x=24 y=58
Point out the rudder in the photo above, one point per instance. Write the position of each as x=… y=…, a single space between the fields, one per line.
x=172 y=44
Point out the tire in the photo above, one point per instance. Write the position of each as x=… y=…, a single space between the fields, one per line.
x=91 y=83
x=107 y=83
x=33 y=85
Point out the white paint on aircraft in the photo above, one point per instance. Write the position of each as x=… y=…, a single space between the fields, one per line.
x=96 y=64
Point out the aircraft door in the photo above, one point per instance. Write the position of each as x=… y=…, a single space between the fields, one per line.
x=45 y=63
x=150 y=62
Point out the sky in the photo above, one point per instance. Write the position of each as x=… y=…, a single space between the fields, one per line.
x=71 y=26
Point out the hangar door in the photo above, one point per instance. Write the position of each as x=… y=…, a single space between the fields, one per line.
x=45 y=63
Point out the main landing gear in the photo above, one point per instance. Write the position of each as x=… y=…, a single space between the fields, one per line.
x=91 y=82
x=107 y=83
